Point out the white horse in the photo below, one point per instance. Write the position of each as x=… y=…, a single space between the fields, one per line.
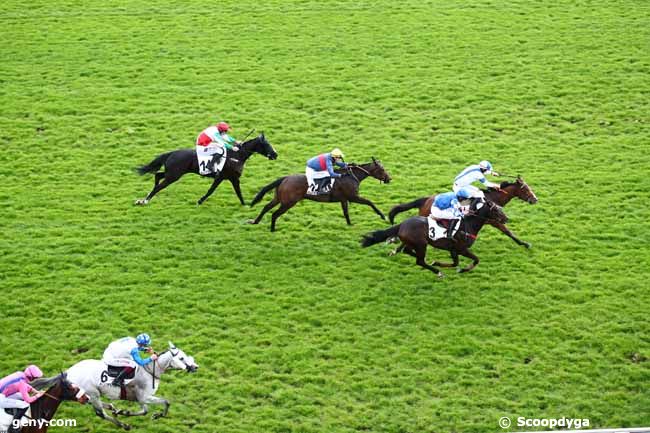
x=92 y=376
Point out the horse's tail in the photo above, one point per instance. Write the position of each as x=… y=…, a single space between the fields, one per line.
x=154 y=165
x=377 y=236
x=266 y=189
x=404 y=207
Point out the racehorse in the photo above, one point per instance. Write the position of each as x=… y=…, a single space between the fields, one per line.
x=58 y=389
x=289 y=190
x=183 y=161
x=509 y=190
x=414 y=234
x=92 y=374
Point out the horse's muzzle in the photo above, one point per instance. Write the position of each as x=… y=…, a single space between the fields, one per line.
x=272 y=156
x=532 y=200
x=191 y=368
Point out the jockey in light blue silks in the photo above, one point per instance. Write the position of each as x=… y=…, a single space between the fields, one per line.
x=448 y=208
x=471 y=174
x=125 y=353
x=320 y=170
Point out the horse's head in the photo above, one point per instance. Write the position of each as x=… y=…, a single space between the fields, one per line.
x=60 y=388
x=521 y=190
x=487 y=210
x=377 y=171
x=260 y=145
x=180 y=360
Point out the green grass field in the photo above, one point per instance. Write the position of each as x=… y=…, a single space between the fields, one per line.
x=302 y=330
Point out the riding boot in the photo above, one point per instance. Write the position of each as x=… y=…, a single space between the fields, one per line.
x=119 y=379
x=215 y=162
x=18 y=414
x=450 y=229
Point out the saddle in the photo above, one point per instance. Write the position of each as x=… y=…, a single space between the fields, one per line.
x=112 y=371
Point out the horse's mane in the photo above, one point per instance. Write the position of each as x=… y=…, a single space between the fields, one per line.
x=44 y=383
x=39 y=407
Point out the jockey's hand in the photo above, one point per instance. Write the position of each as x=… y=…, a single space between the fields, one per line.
x=495 y=174
x=235 y=148
x=154 y=357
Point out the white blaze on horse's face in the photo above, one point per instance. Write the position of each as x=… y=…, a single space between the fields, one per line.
x=181 y=361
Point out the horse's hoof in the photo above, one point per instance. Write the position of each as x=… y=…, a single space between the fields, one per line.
x=251 y=222
x=156 y=416
x=528 y=245
x=126 y=427
x=392 y=253
x=441 y=275
x=141 y=202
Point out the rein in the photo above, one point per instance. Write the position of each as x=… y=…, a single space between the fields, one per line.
x=351 y=172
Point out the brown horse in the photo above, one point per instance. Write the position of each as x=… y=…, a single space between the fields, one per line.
x=58 y=389
x=289 y=190
x=508 y=191
x=414 y=234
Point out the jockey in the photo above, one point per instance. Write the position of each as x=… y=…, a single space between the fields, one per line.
x=213 y=140
x=447 y=208
x=320 y=170
x=125 y=353
x=473 y=173
x=14 y=392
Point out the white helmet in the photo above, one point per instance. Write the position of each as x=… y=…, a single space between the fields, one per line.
x=485 y=165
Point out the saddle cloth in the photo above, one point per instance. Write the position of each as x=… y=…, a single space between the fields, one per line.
x=205 y=159
x=437 y=231
x=321 y=186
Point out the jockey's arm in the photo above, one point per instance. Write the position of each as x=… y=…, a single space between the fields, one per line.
x=24 y=388
x=341 y=164
x=135 y=354
x=330 y=169
x=489 y=184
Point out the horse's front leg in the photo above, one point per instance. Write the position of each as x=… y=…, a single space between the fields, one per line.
x=511 y=235
x=467 y=253
x=454 y=257
x=215 y=184
x=235 y=186
x=361 y=200
x=98 y=405
x=344 y=206
x=152 y=399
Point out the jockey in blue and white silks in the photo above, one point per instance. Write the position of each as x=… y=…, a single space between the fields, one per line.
x=125 y=353
x=447 y=209
x=471 y=174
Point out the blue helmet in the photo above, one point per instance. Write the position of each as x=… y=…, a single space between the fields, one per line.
x=463 y=194
x=143 y=340
x=485 y=165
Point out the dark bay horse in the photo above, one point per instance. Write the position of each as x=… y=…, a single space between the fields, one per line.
x=58 y=389
x=414 y=234
x=183 y=161
x=509 y=190
x=289 y=190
